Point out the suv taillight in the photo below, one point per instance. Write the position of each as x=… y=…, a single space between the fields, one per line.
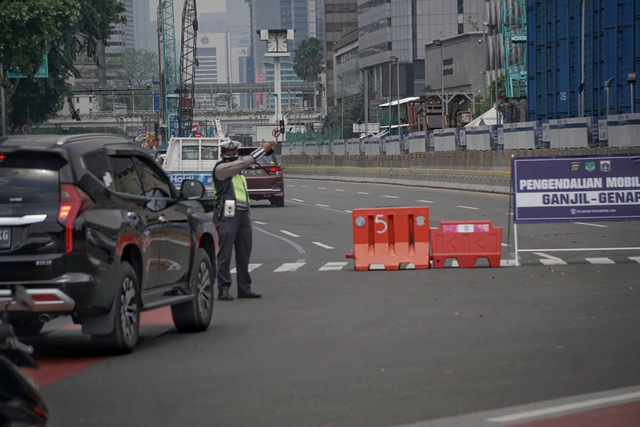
x=273 y=169
x=72 y=201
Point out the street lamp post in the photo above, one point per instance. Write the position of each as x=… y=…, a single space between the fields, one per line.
x=631 y=79
x=608 y=84
x=342 y=105
x=439 y=43
x=397 y=61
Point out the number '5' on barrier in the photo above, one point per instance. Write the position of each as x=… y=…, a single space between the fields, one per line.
x=390 y=237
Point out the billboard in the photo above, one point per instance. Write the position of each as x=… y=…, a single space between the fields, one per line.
x=576 y=188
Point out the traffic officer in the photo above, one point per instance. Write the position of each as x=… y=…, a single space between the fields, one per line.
x=231 y=217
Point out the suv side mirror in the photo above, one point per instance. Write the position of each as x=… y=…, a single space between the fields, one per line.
x=192 y=190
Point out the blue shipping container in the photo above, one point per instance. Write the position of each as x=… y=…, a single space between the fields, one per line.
x=554 y=57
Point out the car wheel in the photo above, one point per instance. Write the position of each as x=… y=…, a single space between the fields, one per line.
x=278 y=201
x=27 y=327
x=124 y=336
x=195 y=315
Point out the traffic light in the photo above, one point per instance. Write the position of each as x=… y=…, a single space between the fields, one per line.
x=281 y=127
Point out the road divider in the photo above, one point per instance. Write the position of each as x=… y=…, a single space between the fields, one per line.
x=390 y=237
x=466 y=241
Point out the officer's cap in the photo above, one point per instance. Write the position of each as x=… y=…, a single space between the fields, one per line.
x=229 y=145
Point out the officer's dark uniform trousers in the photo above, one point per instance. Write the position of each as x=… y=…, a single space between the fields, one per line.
x=235 y=231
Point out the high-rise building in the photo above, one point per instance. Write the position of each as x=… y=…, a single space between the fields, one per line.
x=340 y=17
x=144 y=27
x=402 y=28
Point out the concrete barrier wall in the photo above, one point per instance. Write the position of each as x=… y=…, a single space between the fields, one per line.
x=487 y=171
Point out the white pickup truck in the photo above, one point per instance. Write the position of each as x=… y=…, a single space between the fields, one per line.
x=192 y=158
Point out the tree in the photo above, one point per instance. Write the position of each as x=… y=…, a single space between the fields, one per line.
x=307 y=60
x=60 y=28
x=132 y=68
x=353 y=113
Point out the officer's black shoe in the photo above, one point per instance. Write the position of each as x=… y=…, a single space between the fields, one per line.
x=225 y=297
x=249 y=294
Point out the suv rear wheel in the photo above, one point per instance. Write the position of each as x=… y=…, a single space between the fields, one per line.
x=195 y=315
x=124 y=336
x=278 y=201
x=27 y=327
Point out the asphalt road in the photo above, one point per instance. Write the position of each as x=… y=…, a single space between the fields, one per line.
x=331 y=346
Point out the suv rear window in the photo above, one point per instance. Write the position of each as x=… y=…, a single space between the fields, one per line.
x=29 y=177
x=264 y=160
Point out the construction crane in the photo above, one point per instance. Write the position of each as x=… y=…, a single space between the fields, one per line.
x=188 y=64
x=514 y=38
x=168 y=67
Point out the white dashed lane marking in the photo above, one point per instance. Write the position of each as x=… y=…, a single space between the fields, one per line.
x=424 y=201
x=321 y=188
x=468 y=207
x=251 y=268
x=298 y=200
x=348 y=211
x=635 y=258
x=322 y=206
x=337 y=189
x=288 y=233
x=549 y=260
x=289 y=266
x=322 y=245
x=361 y=192
x=260 y=222
x=600 y=260
x=332 y=266
x=390 y=197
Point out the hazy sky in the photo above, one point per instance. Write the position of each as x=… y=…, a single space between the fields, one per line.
x=203 y=6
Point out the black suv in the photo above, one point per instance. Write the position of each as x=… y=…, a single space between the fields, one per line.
x=92 y=227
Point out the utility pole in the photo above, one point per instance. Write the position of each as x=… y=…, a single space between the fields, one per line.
x=163 y=95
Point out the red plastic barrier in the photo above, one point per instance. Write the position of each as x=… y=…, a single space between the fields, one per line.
x=466 y=241
x=389 y=237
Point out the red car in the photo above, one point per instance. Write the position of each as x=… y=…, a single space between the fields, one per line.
x=264 y=179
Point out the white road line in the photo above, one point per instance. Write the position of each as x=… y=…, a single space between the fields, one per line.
x=564 y=408
x=261 y=223
x=289 y=185
x=635 y=258
x=549 y=260
x=321 y=188
x=322 y=245
x=289 y=266
x=600 y=260
x=592 y=225
x=468 y=207
x=304 y=186
x=251 y=268
x=361 y=192
x=504 y=244
x=347 y=210
x=333 y=266
x=288 y=233
x=390 y=197
x=298 y=200
x=424 y=201
x=337 y=189
x=322 y=206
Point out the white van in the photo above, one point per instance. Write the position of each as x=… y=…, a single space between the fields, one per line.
x=192 y=158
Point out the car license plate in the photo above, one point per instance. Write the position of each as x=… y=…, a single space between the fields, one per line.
x=5 y=237
x=252 y=172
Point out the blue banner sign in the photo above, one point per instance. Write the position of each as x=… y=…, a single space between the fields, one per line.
x=178 y=177
x=576 y=188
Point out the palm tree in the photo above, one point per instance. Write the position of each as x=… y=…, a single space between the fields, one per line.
x=308 y=59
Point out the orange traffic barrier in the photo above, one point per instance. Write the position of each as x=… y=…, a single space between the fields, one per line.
x=390 y=238
x=466 y=241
